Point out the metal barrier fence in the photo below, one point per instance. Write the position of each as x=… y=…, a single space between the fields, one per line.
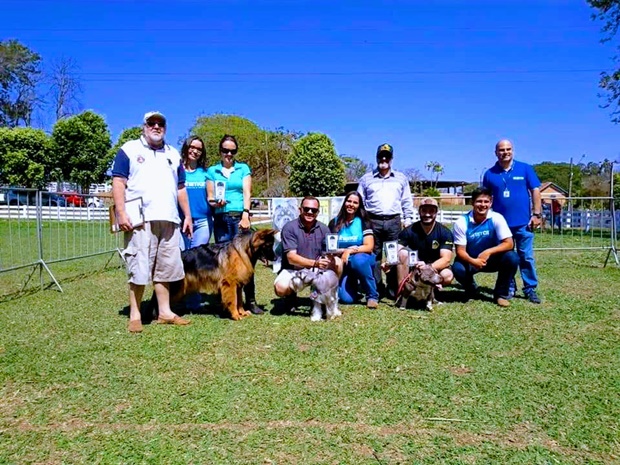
x=41 y=228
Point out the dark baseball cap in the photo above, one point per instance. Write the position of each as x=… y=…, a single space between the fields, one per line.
x=385 y=150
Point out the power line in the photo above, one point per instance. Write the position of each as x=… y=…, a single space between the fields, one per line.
x=336 y=73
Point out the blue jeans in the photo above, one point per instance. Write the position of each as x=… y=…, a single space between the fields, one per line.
x=524 y=243
x=202 y=235
x=225 y=227
x=358 y=272
x=505 y=264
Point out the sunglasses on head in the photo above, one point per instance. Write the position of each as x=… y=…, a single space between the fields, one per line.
x=151 y=124
x=310 y=210
x=227 y=151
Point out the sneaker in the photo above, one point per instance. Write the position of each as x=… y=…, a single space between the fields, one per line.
x=254 y=309
x=372 y=304
x=533 y=297
x=502 y=302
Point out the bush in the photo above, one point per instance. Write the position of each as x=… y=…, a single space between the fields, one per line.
x=316 y=169
x=25 y=157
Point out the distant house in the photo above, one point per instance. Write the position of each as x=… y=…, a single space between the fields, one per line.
x=550 y=190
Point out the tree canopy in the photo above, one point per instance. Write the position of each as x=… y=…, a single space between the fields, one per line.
x=266 y=152
x=25 y=157
x=316 y=169
x=608 y=11
x=20 y=70
x=79 y=143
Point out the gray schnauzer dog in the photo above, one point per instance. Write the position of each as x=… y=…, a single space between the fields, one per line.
x=324 y=291
x=420 y=284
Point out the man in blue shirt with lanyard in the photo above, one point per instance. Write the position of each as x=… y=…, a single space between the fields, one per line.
x=516 y=196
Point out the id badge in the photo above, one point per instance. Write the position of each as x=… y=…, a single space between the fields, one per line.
x=506 y=193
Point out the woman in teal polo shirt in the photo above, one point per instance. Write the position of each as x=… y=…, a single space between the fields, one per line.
x=229 y=190
x=355 y=244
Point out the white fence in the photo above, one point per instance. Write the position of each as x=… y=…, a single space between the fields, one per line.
x=36 y=235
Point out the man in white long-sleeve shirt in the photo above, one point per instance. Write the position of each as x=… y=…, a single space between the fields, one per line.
x=387 y=199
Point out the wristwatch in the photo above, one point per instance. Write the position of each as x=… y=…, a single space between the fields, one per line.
x=537 y=215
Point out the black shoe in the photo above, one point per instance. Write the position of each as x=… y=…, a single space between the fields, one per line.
x=472 y=293
x=533 y=297
x=254 y=309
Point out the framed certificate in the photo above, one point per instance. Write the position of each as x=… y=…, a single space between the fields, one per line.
x=391 y=252
x=332 y=243
x=220 y=190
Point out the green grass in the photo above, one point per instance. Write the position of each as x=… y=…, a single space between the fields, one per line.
x=467 y=383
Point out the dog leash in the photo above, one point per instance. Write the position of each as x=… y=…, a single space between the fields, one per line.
x=402 y=284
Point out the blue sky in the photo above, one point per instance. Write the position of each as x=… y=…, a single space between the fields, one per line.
x=439 y=80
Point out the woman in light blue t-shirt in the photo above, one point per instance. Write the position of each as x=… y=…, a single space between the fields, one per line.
x=193 y=155
x=355 y=245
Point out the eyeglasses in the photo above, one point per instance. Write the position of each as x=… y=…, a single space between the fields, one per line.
x=310 y=210
x=194 y=149
x=227 y=151
x=152 y=124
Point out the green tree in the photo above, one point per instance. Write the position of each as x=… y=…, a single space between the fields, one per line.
x=266 y=152
x=608 y=11
x=79 y=144
x=20 y=71
x=559 y=174
x=436 y=170
x=105 y=163
x=414 y=176
x=316 y=169
x=25 y=157
x=354 y=168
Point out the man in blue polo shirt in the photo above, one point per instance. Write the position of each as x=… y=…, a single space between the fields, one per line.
x=484 y=244
x=516 y=196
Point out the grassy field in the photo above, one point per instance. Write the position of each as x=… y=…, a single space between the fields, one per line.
x=467 y=383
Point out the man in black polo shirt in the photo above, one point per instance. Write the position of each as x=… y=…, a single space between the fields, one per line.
x=303 y=246
x=432 y=240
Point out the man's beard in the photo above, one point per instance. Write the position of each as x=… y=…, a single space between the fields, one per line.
x=155 y=139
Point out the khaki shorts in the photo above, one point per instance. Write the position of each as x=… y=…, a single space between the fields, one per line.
x=284 y=278
x=152 y=253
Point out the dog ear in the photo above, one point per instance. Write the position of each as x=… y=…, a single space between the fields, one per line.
x=261 y=236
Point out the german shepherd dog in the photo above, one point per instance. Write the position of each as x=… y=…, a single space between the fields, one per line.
x=224 y=269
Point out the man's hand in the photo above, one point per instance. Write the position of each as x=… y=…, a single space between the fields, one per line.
x=188 y=227
x=535 y=222
x=484 y=255
x=478 y=263
x=323 y=263
x=124 y=222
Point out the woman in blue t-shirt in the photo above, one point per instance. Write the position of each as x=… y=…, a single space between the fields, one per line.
x=229 y=190
x=355 y=245
x=193 y=155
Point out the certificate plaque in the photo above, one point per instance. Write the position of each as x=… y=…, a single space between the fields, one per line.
x=332 y=243
x=220 y=190
x=391 y=252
